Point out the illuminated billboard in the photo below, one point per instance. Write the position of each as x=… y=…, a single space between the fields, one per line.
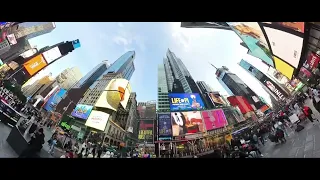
x=285 y=46
x=184 y=123
x=283 y=67
x=54 y=100
x=146 y=131
x=185 y=101
x=252 y=35
x=214 y=119
x=82 y=111
x=117 y=92
x=164 y=126
x=35 y=64
x=296 y=26
x=97 y=120
x=312 y=61
x=215 y=98
x=52 y=54
x=29 y=53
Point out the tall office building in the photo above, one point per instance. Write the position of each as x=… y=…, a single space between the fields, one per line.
x=15 y=50
x=76 y=92
x=163 y=99
x=69 y=77
x=32 y=29
x=215 y=25
x=92 y=75
x=236 y=87
x=204 y=87
x=179 y=80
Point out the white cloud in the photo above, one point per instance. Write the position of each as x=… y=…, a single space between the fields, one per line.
x=121 y=41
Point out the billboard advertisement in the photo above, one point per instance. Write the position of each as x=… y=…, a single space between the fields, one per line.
x=283 y=67
x=185 y=101
x=241 y=103
x=252 y=35
x=304 y=74
x=12 y=39
x=76 y=44
x=285 y=46
x=164 y=126
x=312 y=62
x=29 y=53
x=146 y=131
x=186 y=123
x=214 y=119
x=35 y=64
x=296 y=26
x=82 y=111
x=52 y=54
x=251 y=69
x=215 y=98
x=278 y=92
x=97 y=120
x=54 y=100
x=117 y=92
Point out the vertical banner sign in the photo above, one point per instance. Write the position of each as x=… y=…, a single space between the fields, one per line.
x=146 y=131
x=165 y=126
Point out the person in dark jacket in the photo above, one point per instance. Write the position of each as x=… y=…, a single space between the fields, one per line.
x=238 y=154
x=34 y=146
x=33 y=128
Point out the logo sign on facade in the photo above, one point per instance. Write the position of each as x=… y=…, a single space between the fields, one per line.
x=274 y=90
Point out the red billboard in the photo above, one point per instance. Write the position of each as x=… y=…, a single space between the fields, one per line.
x=312 y=61
x=241 y=102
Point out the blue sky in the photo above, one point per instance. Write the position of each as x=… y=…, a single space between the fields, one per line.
x=195 y=46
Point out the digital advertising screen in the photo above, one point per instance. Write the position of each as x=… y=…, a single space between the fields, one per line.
x=214 y=119
x=216 y=98
x=29 y=53
x=296 y=26
x=252 y=35
x=12 y=39
x=54 y=100
x=283 y=67
x=285 y=46
x=82 y=111
x=275 y=89
x=312 y=61
x=164 y=126
x=186 y=123
x=35 y=64
x=185 y=101
x=117 y=92
x=146 y=131
x=97 y=120
x=52 y=54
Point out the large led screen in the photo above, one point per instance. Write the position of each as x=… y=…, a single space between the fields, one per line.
x=54 y=100
x=214 y=119
x=52 y=54
x=164 y=126
x=284 y=45
x=186 y=123
x=35 y=64
x=185 y=101
x=296 y=26
x=216 y=98
x=146 y=131
x=82 y=111
x=117 y=92
x=97 y=120
x=283 y=67
x=252 y=35
x=312 y=62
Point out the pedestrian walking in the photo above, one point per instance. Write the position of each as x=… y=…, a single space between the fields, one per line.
x=52 y=145
x=308 y=112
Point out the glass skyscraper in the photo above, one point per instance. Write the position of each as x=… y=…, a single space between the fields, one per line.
x=163 y=99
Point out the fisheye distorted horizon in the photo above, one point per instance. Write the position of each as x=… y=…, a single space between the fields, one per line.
x=150 y=41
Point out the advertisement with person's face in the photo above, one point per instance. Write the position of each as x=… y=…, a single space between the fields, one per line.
x=297 y=26
x=97 y=120
x=284 y=45
x=146 y=131
x=35 y=64
x=82 y=111
x=185 y=101
x=214 y=119
x=164 y=125
x=186 y=123
x=216 y=98
x=252 y=35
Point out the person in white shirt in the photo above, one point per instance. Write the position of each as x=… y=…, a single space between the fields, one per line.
x=316 y=99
